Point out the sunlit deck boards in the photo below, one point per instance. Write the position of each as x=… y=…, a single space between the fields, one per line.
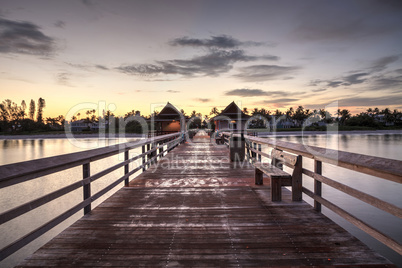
x=208 y=214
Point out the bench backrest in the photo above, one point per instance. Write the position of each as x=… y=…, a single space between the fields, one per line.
x=279 y=158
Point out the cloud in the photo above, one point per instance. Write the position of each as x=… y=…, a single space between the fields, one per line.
x=211 y=64
x=220 y=41
x=321 y=21
x=319 y=90
x=355 y=79
x=63 y=78
x=369 y=73
x=348 y=80
x=371 y=101
x=101 y=67
x=88 y=3
x=383 y=82
x=265 y=72
x=381 y=64
x=282 y=101
x=172 y=91
x=60 y=24
x=245 y=92
x=24 y=38
x=202 y=100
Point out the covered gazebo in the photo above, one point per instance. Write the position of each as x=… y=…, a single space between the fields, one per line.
x=169 y=120
x=231 y=118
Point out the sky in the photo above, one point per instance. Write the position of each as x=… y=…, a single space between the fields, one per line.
x=138 y=55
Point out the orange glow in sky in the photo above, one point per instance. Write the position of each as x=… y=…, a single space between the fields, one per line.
x=138 y=55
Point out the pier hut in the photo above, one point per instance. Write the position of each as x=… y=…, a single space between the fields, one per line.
x=231 y=118
x=169 y=120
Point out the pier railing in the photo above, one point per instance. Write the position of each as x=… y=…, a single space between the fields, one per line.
x=383 y=168
x=12 y=174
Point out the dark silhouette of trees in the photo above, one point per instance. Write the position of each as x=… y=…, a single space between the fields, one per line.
x=343 y=115
x=41 y=106
x=32 y=109
x=214 y=111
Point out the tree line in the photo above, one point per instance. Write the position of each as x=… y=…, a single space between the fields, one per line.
x=373 y=118
x=15 y=118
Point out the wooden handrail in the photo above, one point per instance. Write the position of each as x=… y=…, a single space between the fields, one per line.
x=19 y=172
x=384 y=168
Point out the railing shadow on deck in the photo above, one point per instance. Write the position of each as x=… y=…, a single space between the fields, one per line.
x=383 y=168
x=12 y=174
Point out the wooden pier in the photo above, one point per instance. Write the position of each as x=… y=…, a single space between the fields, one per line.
x=195 y=208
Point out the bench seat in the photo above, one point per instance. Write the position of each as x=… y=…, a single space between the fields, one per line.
x=278 y=177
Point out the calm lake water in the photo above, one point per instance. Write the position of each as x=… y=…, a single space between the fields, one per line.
x=11 y=151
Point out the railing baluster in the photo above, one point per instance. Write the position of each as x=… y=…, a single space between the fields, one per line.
x=317 y=184
x=248 y=150
x=143 y=158
x=259 y=149
x=126 y=167
x=254 y=154
x=86 y=172
x=148 y=154
x=161 y=149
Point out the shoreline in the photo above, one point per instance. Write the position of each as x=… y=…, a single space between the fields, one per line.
x=260 y=134
x=344 y=132
x=63 y=136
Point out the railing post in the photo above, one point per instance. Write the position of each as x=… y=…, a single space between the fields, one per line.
x=86 y=172
x=148 y=154
x=248 y=150
x=317 y=184
x=126 y=167
x=297 y=183
x=143 y=158
x=259 y=149
x=254 y=146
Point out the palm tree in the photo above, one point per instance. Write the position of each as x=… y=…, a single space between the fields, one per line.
x=41 y=106
x=344 y=115
x=214 y=111
x=289 y=113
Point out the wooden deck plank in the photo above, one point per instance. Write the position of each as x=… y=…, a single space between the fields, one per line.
x=202 y=211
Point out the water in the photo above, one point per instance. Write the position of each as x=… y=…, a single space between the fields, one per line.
x=11 y=151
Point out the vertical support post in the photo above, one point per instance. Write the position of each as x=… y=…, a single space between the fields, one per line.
x=317 y=184
x=143 y=159
x=86 y=172
x=154 y=153
x=259 y=149
x=297 y=184
x=126 y=167
x=148 y=154
x=258 y=177
x=276 y=188
x=253 y=154
x=248 y=150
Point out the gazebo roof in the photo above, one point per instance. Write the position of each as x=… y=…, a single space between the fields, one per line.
x=231 y=111
x=169 y=113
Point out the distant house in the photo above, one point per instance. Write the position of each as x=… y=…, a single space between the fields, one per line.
x=79 y=125
x=231 y=118
x=170 y=119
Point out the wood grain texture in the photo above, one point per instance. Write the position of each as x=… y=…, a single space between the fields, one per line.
x=195 y=208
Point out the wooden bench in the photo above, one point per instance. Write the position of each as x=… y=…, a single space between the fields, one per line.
x=280 y=178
